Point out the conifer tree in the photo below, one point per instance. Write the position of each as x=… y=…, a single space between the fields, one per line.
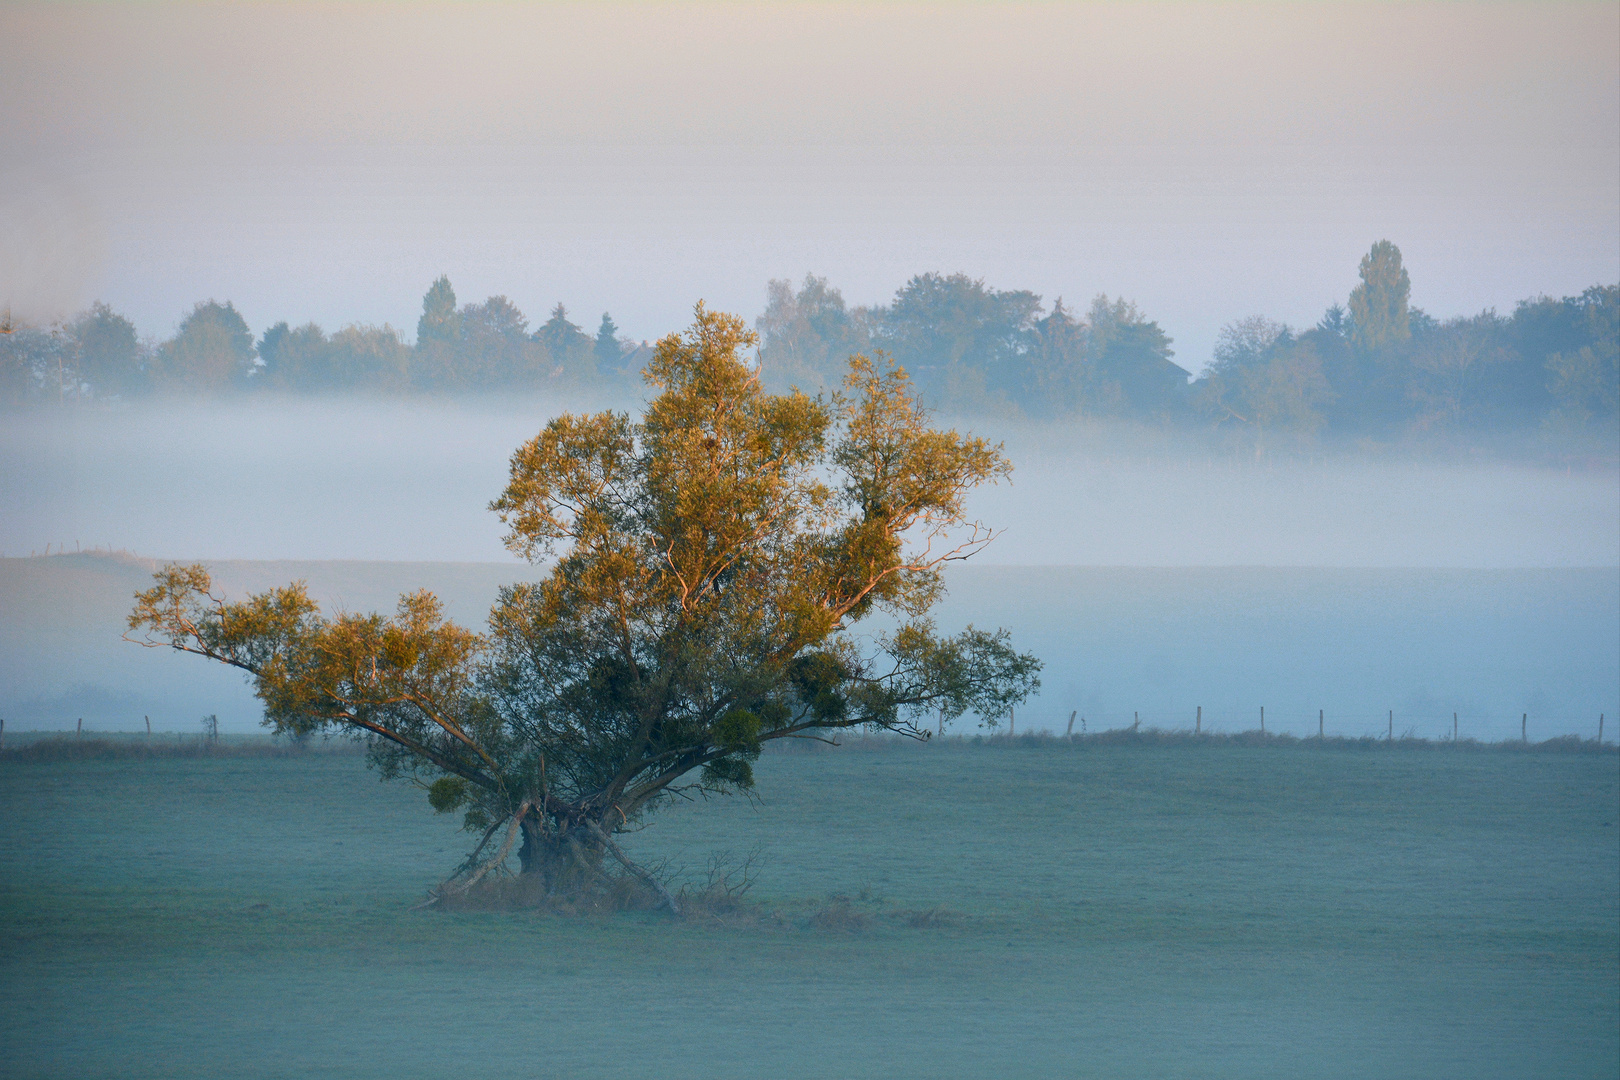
x=1379 y=315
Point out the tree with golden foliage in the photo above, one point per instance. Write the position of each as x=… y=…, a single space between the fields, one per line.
x=708 y=565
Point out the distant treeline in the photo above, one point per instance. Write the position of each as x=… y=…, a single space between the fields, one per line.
x=1375 y=366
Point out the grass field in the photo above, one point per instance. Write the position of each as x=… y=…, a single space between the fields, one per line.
x=1115 y=911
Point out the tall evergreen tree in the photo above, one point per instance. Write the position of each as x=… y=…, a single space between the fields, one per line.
x=609 y=354
x=439 y=322
x=1379 y=315
x=568 y=347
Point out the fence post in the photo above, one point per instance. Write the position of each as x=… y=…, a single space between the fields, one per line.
x=1070 y=733
x=1198 y=724
x=1136 y=722
x=1392 y=725
x=3 y=732
x=80 y=728
x=1262 y=719
x=1524 y=727
x=1453 y=727
x=1012 y=722
x=148 y=727
x=1600 y=728
x=1319 y=714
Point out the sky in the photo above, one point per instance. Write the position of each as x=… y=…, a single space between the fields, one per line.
x=1209 y=161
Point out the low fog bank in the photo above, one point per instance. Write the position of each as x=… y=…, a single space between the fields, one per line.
x=1122 y=643
x=1117 y=642
x=63 y=657
x=1110 y=496
x=411 y=480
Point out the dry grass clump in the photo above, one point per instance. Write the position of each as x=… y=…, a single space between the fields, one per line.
x=839 y=914
x=722 y=896
x=933 y=919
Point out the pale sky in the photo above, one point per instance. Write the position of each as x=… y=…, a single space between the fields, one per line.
x=1209 y=161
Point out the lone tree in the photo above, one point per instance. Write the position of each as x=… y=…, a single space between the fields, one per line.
x=709 y=563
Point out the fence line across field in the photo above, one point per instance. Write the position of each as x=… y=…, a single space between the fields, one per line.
x=1202 y=721
x=1390 y=725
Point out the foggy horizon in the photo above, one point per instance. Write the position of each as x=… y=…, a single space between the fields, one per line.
x=1104 y=558
x=1230 y=161
x=256 y=479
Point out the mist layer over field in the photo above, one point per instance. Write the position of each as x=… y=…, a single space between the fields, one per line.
x=357 y=479
x=1152 y=579
x=1118 y=643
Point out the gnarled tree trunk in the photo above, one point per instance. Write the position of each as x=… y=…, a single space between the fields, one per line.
x=560 y=859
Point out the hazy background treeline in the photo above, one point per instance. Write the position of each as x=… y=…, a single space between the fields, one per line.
x=1373 y=367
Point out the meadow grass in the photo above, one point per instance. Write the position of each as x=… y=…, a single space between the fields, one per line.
x=1008 y=908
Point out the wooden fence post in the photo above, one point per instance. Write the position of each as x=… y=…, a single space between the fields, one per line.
x=1262 y=719
x=1198 y=724
x=1392 y=725
x=1600 y=728
x=149 y=727
x=1320 y=713
x=1524 y=727
x=1070 y=732
x=3 y=732
x=80 y=728
x=1136 y=722
x=1453 y=727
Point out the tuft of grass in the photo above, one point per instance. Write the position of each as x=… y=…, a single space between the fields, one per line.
x=932 y=919
x=723 y=894
x=839 y=914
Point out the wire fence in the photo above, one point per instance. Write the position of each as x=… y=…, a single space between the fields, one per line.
x=1391 y=724
x=1598 y=727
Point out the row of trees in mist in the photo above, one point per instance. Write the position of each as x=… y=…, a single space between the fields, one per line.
x=97 y=354
x=1380 y=366
x=1372 y=366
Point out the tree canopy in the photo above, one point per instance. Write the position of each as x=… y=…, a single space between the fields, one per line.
x=707 y=566
x=212 y=351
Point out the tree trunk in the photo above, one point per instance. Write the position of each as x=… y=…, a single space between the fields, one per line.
x=562 y=862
